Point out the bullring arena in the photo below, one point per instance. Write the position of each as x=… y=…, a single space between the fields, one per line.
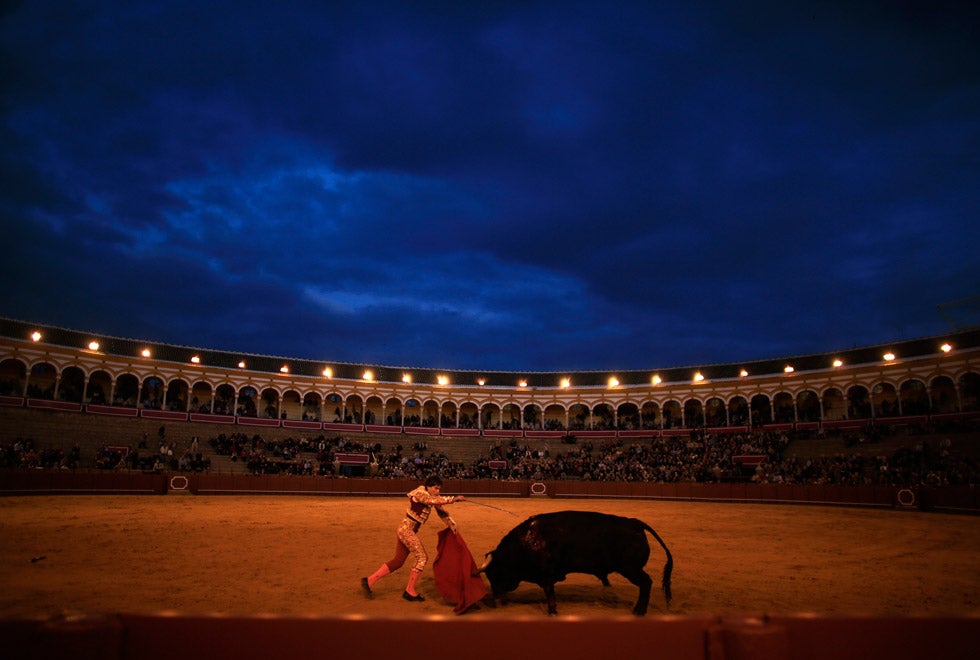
x=222 y=563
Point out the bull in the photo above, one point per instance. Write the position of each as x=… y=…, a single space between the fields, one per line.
x=545 y=548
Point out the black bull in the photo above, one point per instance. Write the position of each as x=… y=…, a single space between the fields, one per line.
x=545 y=548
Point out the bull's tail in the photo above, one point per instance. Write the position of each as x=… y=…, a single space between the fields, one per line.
x=668 y=566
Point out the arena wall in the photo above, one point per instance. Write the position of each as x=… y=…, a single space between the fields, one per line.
x=963 y=499
x=168 y=636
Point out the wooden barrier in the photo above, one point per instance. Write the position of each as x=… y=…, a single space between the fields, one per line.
x=113 y=411
x=53 y=482
x=301 y=424
x=860 y=638
x=793 y=637
x=169 y=415
x=28 y=482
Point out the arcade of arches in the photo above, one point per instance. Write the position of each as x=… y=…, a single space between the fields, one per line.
x=864 y=397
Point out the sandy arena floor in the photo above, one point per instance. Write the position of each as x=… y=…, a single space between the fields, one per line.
x=305 y=556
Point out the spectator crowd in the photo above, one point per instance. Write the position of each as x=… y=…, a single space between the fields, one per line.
x=757 y=456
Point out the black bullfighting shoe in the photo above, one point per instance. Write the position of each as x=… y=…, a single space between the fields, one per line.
x=415 y=598
x=366 y=587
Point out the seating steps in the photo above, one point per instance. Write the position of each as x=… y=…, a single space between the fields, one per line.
x=63 y=430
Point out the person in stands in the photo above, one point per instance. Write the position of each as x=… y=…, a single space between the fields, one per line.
x=421 y=502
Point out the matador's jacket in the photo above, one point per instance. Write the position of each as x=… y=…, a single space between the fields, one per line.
x=421 y=503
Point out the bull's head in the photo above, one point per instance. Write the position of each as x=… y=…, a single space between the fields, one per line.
x=487 y=558
x=499 y=574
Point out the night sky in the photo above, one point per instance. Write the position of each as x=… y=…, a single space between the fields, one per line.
x=492 y=185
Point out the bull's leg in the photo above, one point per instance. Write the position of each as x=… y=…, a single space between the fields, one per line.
x=604 y=579
x=640 y=578
x=549 y=593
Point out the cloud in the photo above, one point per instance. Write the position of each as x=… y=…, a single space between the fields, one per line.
x=514 y=185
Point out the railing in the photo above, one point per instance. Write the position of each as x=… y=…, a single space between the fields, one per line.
x=338 y=427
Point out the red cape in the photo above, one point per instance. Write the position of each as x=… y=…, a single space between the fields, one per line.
x=454 y=570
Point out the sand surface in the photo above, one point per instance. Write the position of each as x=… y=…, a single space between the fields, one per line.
x=305 y=555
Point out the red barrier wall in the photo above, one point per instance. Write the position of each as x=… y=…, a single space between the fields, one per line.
x=26 y=482
x=165 y=637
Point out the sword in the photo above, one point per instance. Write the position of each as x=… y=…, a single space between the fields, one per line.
x=490 y=506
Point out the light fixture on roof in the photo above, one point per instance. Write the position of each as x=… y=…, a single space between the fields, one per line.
x=613 y=381
x=481 y=381
x=93 y=345
x=743 y=373
x=946 y=348
x=35 y=336
x=838 y=363
x=241 y=364
x=565 y=383
x=327 y=372
x=368 y=375
x=788 y=369
x=406 y=378
x=522 y=383
x=698 y=377
x=443 y=380
x=888 y=357
x=284 y=369
x=196 y=359
x=656 y=380
x=145 y=352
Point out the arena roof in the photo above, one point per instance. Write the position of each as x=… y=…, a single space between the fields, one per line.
x=120 y=346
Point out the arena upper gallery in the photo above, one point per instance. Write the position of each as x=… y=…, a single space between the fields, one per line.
x=78 y=370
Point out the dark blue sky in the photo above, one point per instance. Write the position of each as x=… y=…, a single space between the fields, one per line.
x=492 y=185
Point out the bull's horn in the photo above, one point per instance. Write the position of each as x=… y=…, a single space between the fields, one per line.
x=489 y=558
